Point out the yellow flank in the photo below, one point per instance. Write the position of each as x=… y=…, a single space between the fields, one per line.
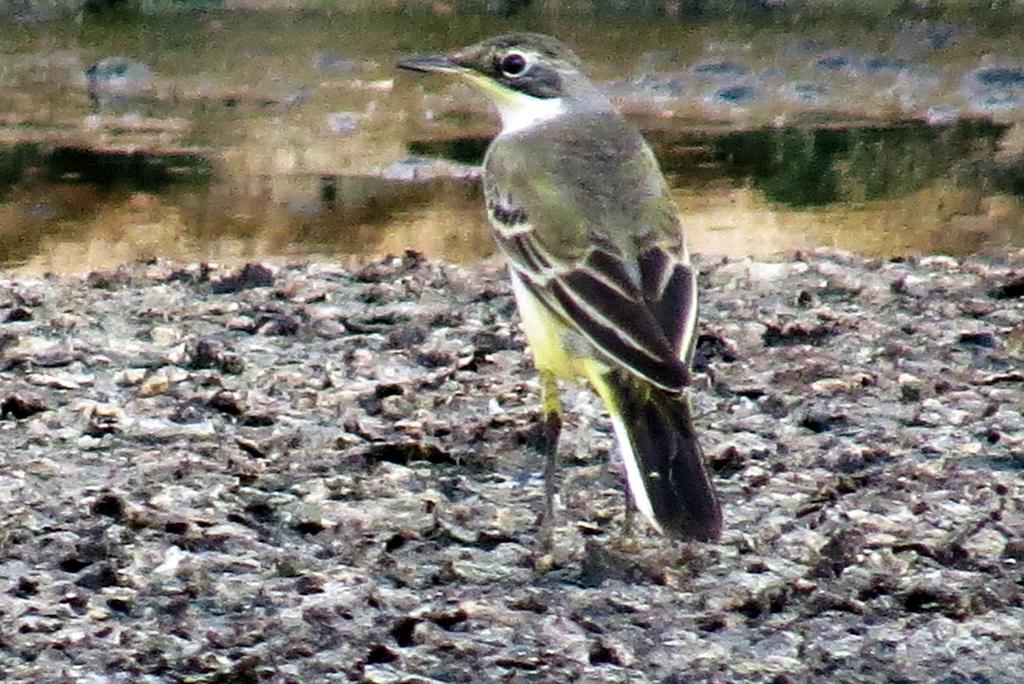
x=552 y=352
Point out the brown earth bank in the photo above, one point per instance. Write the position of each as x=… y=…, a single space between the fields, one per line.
x=310 y=473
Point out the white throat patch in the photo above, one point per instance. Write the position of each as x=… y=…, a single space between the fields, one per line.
x=518 y=110
x=522 y=111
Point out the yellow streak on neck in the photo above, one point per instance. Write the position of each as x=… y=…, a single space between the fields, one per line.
x=518 y=111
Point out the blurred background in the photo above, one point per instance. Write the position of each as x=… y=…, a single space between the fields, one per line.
x=237 y=129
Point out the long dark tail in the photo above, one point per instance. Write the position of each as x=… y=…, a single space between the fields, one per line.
x=664 y=464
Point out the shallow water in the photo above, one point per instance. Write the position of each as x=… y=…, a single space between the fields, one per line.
x=224 y=136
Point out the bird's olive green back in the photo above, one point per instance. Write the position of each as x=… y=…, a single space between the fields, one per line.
x=583 y=178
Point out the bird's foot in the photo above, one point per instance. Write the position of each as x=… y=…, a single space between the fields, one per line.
x=628 y=538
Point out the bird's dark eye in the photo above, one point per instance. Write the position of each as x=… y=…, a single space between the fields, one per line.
x=513 y=64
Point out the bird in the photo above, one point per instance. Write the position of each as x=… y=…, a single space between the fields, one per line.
x=599 y=266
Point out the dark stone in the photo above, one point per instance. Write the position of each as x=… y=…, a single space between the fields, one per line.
x=25 y=588
x=225 y=402
x=20 y=407
x=18 y=314
x=395 y=542
x=448 y=620
x=839 y=552
x=406 y=337
x=119 y=605
x=258 y=420
x=710 y=347
x=774 y=405
x=602 y=655
x=103 y=575
x=99 y=426
x=249 y=276
x=404 y=631
x=1014 y=549
x=56 y=357
x=816 y=421
x=309 y=584
x=772 y=599
x=388 y=390
x=1014 y=289
x=250 y=447
x=389 y=268
x=281 y=325
x=797 y=333
x=109 y=505
x=983 y=339
x=380 y=654
x=435 y=359
x=206 y=353
x=74 y=564
x=727 y=462
x=309 y=527
x=404 y=453
x=188 y=412
x=934 y=599
x=909 y=394
x=785 y=678
x=105 y=280
x=176 y=527
x=231 y=363
x=261 y=509
x=487 y=342
x=202 y=354
x=600 y=564
x=712 y=623
x=750 y=392
x=370 y=403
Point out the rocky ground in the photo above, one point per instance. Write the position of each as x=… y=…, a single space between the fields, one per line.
x=308 y=473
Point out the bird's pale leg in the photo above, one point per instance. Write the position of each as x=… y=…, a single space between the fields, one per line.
x=628 y=517
x=551 y=427
x=627 y=541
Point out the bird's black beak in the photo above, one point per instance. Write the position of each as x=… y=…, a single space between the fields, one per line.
x=428 y=64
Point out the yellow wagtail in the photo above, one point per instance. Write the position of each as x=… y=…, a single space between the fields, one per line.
x=599 y=267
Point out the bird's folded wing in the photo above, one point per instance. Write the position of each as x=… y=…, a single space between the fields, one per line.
x=670 y=290
x=645 y=326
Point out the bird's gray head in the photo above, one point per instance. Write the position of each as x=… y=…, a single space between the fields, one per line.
x=530 y=77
